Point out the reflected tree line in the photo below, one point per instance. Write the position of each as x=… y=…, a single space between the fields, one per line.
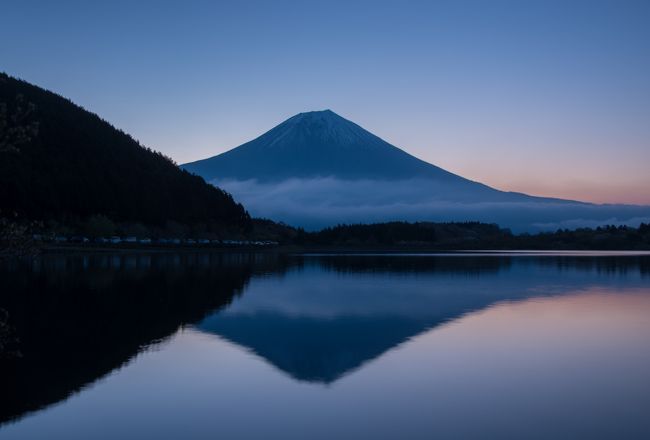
x=484 y=263
x=67 y=320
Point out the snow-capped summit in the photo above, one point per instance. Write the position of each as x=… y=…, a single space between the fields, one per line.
x=310 y=128
x=317 y=144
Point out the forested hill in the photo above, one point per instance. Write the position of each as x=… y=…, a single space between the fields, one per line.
x=61 y=162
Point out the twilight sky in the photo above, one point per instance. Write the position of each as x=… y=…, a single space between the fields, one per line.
x=545 y=97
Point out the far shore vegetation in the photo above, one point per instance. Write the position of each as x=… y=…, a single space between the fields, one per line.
x=28 y=238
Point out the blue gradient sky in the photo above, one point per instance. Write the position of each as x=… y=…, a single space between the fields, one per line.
x=545 y=97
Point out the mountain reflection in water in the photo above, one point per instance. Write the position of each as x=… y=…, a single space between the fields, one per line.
x=75 y=319
x=330 y=315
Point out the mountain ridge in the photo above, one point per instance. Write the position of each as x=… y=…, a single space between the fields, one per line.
x=323 y=144
x=60 y=162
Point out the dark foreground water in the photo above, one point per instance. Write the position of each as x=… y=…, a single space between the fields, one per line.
x=206 y=346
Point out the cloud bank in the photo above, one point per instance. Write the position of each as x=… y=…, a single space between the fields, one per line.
x=319 y=202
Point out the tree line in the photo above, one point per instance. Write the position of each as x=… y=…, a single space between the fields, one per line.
x=62 y=164
x=475 y=235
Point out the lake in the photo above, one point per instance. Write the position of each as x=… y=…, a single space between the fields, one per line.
x=249 y=346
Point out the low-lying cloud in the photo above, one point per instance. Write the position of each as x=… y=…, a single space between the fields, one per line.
x=319 y=202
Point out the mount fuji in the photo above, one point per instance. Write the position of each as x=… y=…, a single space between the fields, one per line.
x=318 y=169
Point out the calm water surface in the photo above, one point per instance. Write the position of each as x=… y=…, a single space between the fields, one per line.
x=204 y=346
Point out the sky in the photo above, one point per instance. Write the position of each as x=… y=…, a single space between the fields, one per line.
x=545 y=97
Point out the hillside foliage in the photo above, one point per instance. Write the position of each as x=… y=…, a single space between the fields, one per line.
x=59 y=162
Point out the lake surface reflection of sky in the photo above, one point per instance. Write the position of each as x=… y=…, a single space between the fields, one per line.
x=387 y=347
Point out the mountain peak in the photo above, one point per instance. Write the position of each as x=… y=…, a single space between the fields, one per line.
x=317 y=129
x=325 y=117
x=316 y=144
x=326 y=112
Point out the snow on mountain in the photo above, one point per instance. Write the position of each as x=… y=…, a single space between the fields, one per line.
x=317 y=169
x=317 y=144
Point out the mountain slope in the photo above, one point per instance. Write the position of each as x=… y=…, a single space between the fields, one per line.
x=59 y=161
x=322 y=144
x=317 y=144
x=318 y=169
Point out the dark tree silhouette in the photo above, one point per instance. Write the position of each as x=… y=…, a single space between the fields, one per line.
x=61 y=162
x=474 y=235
